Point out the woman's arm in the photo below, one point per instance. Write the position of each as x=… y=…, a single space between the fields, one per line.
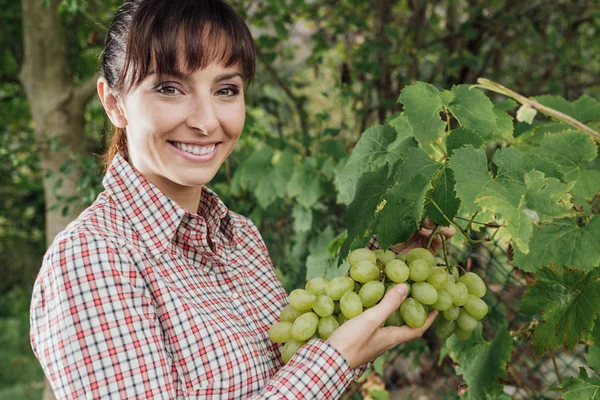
x=93 y=327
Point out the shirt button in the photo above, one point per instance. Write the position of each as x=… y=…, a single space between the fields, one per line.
x=234 y=295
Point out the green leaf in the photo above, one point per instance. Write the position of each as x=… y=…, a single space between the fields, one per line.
x=569 y=151
x=471 y=175
x=402 y=127
x=379 y=394
x=461 y=137
x=563 y=243
x=379 y=362
x=377 y=146
x=444 y=196
x=548 y=198
x=579 y=389
x=273 y=184
x=473 y=110
x=369 y=193
x=306 y=184
x=593 y=357
x=422 y=106
x=505 y=125
x=302 y=218
x=569 y=302
x=481 y=363
x=403 y=210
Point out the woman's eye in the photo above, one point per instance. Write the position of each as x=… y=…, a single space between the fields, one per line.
x=229 y=91
x=165 y=89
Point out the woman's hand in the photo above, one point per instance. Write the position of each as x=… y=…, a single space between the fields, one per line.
x=420 y=238
x=361 y=339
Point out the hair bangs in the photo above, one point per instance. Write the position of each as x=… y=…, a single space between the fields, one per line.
x=186 y=37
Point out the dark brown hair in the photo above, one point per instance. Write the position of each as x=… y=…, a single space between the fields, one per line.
x=145 y=32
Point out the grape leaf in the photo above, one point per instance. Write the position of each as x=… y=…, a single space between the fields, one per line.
x=415 y=161
x=377 y=146
x=481 y=363
x=569 y=302
x=402 y=127
x=473 y=110
x=306 y=185
x=593 y=357
x=549 y=198
x=444 y=196
x=252 y=170
x=563 y=243
x=581 y=388
x=403 y=210
x=302 y=218
x=369 y=193
x=471 y=175
x=585 y=109
x=272 y=185
x=461 y=137
x=569 y=151
x=422 y=106
x=505 y=126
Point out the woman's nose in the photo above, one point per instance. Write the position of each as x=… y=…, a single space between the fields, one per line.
x=202 y=116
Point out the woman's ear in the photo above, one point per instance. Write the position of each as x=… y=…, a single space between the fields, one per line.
x=111 y=103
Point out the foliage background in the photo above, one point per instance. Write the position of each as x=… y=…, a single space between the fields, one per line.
x=326 y=72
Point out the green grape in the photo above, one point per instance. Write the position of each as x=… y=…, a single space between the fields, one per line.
x=461 y=334
x=413 y=313
x=401 y=257
x=317 y=286
x=444 y=328
x=395 y=319
x=466 y=321
x=419 y=270
x=458 y=291
x=362 y=254
x=326 y=326
x=280 y=332
x=341 y=318
x=301 y=299
x=452 y=313
x=444 y=301
x=397 y=271
x=290 y=348
x=451 y=279
x=438 y=277
x=338 y=286
x=371 y=293
x=424 y=293
x=474 y=284
x=420 y=253
x=305 y=326
x=476 y=307
x=323 y=306
x=455 y=274
x=364 y=271
x=289 y=314
x=439 y=261
x=351 y=305
x=386 y=256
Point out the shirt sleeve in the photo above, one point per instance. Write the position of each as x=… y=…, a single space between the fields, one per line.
x=94 y=328
x=316 y=371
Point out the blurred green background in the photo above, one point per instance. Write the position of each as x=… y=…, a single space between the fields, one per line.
x=327 y=70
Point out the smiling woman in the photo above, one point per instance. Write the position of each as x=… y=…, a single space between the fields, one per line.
x=157 y=290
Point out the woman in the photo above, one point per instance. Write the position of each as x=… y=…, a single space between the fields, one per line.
x=157 y=290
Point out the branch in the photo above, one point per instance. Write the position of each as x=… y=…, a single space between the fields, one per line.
x=496 y=87
x=298 y=102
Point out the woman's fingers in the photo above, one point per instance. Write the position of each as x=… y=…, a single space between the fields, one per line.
x=393 y=336
x=390 y=303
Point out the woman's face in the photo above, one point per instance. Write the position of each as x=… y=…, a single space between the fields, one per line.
x=180 y=129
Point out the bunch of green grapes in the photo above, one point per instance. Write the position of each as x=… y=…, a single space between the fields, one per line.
x=322 y=306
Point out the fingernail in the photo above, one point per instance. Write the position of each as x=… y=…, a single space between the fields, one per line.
x=401 y=288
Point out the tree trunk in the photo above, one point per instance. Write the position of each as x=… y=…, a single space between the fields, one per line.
x=57 y=108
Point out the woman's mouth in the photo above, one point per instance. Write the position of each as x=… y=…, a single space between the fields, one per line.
x=196 y=153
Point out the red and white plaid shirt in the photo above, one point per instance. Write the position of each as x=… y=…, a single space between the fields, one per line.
x=134 y=301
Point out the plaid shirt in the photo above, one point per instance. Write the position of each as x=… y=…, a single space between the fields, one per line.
x=138 y=298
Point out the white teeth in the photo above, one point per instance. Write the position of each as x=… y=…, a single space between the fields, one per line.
x=195 y=149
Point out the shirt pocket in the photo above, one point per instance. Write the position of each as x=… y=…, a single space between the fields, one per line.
x=211 y=358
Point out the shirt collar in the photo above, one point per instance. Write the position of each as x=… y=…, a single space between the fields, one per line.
x=154 y=215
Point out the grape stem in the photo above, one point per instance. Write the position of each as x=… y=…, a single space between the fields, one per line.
x=460 y=229
x=435 y=231
x=498 y=88
x=555 y=366
x=482 y=223
x=468 y=227
x=445 y=250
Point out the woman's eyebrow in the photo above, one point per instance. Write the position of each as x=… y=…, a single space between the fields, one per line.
x=219 y=78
